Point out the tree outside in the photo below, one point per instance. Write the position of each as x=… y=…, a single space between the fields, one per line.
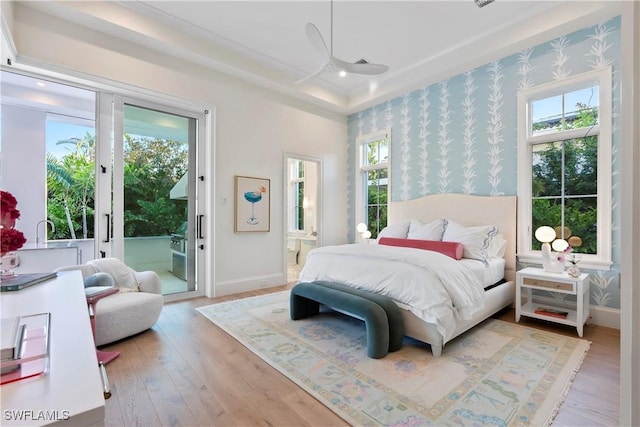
x=377 y=185
x=565 y=179
x=152 y=167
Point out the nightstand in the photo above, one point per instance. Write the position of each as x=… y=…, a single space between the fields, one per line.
x=531 y=278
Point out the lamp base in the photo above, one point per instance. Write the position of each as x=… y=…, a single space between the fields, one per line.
x=559 y=268
x=550 y=262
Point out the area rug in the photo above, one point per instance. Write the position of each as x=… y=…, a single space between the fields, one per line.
x=496 y=374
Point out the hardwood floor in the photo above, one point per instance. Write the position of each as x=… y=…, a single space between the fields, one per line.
x=185 y=371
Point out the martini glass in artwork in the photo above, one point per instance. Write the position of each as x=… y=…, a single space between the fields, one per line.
x=253 y=197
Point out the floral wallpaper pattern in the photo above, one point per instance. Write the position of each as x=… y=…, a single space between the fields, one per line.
x=459 y=135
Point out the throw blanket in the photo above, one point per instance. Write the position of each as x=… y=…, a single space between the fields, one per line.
x=437 y=288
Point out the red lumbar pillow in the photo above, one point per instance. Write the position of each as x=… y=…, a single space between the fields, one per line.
x=452 y=249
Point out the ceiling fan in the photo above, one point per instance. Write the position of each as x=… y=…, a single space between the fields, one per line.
x=335 y=65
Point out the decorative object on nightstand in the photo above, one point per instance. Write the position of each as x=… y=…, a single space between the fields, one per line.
x=556 y=239
x=550 y=263
x=365 y=234
x=529 y=279
x=574 y=271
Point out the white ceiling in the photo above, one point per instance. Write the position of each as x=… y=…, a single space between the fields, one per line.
x=264 y=42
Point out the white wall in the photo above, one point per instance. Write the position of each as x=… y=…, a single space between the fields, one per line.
x=23 y=130
x=253 y=127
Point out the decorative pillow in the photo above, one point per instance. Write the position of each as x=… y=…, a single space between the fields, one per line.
x=431 y=231
x=498 y=247
x=451 y=249
x=476 y=240
x=123 y=276
x=99 y=279
x=398 y=231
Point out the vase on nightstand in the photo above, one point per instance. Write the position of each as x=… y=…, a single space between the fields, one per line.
x=573 y=271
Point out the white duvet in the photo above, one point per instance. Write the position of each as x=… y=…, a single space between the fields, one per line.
x=437 y=288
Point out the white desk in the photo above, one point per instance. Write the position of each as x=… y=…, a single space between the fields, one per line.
x=71 y=393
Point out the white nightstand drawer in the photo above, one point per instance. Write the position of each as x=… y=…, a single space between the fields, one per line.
x=549 y=284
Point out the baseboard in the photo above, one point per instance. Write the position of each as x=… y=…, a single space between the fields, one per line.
x=598 y=315
x=231 y=287
x=604 y=316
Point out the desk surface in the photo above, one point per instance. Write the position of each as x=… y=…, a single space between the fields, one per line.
x=71 y=393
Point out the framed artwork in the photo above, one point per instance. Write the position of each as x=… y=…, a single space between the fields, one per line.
x=252 y=204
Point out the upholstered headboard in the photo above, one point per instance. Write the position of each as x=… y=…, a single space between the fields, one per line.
x=466 y=210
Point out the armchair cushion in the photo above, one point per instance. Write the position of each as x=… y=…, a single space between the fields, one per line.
x=124 y=276
x=125 y=313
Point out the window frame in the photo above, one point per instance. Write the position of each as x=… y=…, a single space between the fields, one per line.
x=361 y=170
x=603 y=129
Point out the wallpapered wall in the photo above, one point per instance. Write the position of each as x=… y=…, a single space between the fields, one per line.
x=459 y=135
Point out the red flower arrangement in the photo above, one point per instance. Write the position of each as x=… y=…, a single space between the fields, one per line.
x=10 y=238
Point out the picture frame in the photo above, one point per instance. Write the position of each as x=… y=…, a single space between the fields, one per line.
x=252 y=204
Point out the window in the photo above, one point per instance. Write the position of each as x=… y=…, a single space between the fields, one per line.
x=70 y=176
x=564 y=166
x=296 y=195
x=373 y=180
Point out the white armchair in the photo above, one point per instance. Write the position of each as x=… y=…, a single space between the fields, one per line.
x=135 y=308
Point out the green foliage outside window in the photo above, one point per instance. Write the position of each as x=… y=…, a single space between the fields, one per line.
x=377 y=187
x=151 y=168
x=574 y=191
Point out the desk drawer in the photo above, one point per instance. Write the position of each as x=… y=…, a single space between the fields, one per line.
x=551 y=285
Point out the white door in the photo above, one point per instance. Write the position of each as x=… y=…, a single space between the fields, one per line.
x=151 y=204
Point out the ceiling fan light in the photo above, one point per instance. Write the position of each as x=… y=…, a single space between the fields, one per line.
x=483 y=3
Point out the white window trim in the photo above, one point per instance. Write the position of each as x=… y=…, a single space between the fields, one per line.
x=293 y=197
x=361 y=211
x=602 y=77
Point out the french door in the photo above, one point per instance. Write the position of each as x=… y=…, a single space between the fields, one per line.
x=109 y=176
x=149 y=204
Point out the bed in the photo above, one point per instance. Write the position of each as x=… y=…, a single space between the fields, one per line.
x=432 y=325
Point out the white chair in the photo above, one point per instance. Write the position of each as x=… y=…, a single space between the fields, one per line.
x=134 y=309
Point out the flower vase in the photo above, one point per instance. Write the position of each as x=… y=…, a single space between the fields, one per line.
x=573 y=271
x=7 y=264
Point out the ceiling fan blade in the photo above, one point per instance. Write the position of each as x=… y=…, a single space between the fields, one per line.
x=361 y=67
x=320 y=70
x=314 y=36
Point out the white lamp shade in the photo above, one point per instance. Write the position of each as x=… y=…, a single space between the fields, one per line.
x=366 y=234
x=545 y=234
x=362 y=227
x=559 y=245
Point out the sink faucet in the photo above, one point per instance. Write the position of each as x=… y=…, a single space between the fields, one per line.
x=45 y=222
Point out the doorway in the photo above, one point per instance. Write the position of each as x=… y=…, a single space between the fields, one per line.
x=108 y=176
x=154 y=188
x=303 y=227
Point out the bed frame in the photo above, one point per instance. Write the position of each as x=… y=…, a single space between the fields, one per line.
x=469 y=211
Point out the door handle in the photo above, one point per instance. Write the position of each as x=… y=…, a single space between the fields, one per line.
x=108 y=239
x=200 y=235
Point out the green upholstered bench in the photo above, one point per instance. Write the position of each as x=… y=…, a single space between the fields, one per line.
x=382 y=317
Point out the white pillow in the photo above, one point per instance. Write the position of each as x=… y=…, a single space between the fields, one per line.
x=398 y=231
x=431 y=231
x=497 y=247
x=475 y=240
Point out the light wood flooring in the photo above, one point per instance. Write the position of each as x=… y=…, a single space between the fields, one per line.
x=186 y=371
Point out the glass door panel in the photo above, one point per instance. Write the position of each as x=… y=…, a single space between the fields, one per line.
x=158 y=224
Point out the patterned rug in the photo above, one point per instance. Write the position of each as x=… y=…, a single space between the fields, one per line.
x=497 y=374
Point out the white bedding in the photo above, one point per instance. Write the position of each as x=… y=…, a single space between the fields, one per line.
x=489 y=273
x=435 y=287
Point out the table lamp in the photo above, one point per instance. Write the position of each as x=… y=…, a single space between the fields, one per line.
x=363 y=230
x=550 y=263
